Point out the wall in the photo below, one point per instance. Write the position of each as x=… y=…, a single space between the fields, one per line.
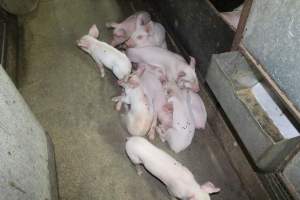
x=19 y=7
x=272 y=35
x=197 y=27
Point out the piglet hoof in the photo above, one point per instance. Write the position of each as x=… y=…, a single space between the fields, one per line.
x=118 y=106
x=108 y=24
x=139 y=173
x=210 y=188
x=161 y=134
x=102 y=72
x=152 y=135
x=115 y=99
x=162 y=139
x=139 y=170
x=101 y=68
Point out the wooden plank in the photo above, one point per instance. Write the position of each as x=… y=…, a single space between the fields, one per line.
x=242 y=24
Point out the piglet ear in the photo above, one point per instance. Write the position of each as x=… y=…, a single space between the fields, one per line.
x=148 y=27
x=94 y=32
x=210 y=188
x=145 y=17
x=139 y=21
x=192 y=62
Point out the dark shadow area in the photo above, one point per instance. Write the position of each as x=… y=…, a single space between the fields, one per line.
x=226 y=5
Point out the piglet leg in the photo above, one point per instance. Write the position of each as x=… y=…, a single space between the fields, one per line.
x=101 y=68
x=210 y=188
x=151 y=132
x=111 y=24
x=119 y=105
x=116 y=99
x=161 y=133
x=120 y=100
x=139 y=170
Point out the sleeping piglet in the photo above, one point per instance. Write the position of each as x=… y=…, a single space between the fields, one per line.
x=138 y=117
x=180 y=135
x=104 y=54
x=122 y=31
x=151 y=34
x=179 y=180
x=173 y=65
x=150 y=79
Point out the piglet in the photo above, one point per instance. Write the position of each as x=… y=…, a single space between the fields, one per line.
x=172 y=65
x=181 y=134
x=151 y=34
x=179 y=181
x=122 y=31
x=138 y=116
x=104 y=54
x=197 y=107
x=150 y=78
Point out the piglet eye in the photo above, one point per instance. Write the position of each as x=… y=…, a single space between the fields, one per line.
x=139 y=37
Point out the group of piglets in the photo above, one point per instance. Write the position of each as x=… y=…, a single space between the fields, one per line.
x=158 y=96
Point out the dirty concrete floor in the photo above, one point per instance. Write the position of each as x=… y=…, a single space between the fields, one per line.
x=64 y=90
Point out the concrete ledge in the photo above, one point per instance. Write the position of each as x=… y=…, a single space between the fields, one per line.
x=26 y=170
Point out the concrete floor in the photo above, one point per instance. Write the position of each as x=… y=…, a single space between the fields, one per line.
x=64 y=90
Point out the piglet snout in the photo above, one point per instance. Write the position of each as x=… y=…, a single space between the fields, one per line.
x=130 y=43
x=195 y=88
